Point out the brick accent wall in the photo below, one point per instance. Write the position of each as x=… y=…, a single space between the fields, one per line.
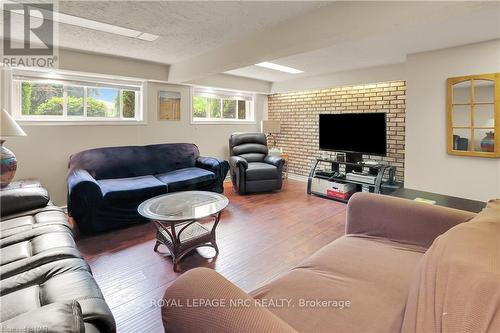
x=298 y=113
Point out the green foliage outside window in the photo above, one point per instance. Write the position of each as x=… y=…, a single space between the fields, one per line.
x=215 y=108
x=200 y=106
x=219 y=108
x=54 y=106
x=26 y=98
x=128 y=100
x=75 y=105
x=242 y=105
x=96 y=108
x=42 y=92
x=47 y=99
x=35 y=94
x=229 y=108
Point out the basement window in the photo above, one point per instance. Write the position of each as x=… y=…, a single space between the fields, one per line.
x=44 y=97
x=211 y=106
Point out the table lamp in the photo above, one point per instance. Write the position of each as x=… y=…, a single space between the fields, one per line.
x=9 y=127
x=488 y=142
x=271 y=127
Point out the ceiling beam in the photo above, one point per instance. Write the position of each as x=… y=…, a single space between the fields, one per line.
x=233 y=82
x=90 y=62
x=327 y=26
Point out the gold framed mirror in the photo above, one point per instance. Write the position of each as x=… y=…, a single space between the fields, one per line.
x=473 y=115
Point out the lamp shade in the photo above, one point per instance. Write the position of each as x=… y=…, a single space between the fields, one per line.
x=9 y=127
x=271 y=126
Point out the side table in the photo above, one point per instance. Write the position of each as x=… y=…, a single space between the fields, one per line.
x=22 y=183
x=285 y=157
x=440 y=199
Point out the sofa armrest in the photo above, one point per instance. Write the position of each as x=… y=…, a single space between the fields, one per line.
x=55 y=317
x=217 y=166
x=237 y=162
x=399 y=219
x=19 y=200
x=83 y=189
x=275 y=160
x=232 y=310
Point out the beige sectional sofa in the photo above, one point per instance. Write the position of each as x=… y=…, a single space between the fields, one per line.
x=382 y=276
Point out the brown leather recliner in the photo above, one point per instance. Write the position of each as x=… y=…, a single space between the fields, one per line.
x=252 y=168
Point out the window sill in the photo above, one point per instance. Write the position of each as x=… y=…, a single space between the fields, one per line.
x=223 y=122
x=29 y=122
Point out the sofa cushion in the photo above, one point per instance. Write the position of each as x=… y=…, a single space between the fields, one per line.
x=372 y=274
x=50 y=215
x=186 y=179
x=37 y=250
x=31 y=233
x=62 y=281
x=131 y=188
x=459 y=277
x=63 y=317
x=261 y=171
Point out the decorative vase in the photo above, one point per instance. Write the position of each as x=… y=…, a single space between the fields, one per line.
x=488 y=142
x=8 y=165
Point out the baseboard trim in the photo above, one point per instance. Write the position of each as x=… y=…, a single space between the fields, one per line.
x=292 y=176
x=300 y=178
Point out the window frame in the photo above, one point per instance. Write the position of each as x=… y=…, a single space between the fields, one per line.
x=77 y=80
x=472 y=104
x=211 y=93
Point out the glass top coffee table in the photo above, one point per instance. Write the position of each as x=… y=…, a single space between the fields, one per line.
x=175 y=216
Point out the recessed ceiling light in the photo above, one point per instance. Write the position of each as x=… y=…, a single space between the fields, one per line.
x=148 y=37
x=280 y=68
x=90 y=24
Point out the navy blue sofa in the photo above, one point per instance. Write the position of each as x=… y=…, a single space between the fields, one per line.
x=106 y=185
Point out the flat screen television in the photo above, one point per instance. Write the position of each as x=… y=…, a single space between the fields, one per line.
x=361 y=133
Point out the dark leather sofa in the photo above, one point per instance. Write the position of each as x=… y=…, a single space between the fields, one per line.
x=106 y=185
x=45 y=285
x=252 y=169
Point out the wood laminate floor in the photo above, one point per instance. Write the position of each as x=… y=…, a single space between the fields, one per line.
x=259 y=236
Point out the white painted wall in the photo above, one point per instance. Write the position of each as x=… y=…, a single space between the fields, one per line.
x=428 y=166
x=44 y=153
